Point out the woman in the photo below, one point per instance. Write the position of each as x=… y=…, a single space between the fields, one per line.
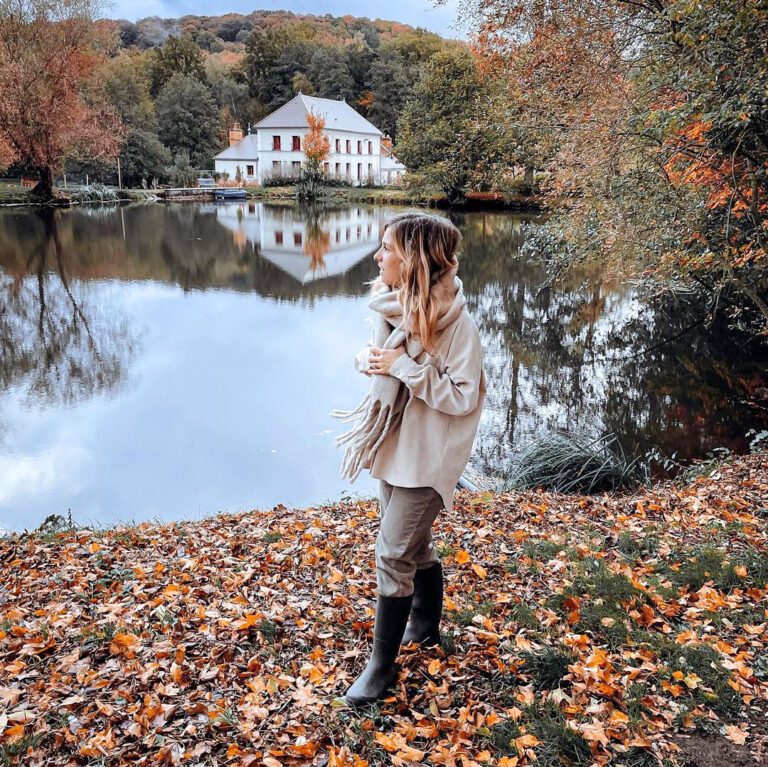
x=416 y=427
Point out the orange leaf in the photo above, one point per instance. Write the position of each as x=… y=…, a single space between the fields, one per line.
x=735 y=734
x=480 y=571
x=462 y=557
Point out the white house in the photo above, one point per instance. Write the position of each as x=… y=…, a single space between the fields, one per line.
x=358 y=149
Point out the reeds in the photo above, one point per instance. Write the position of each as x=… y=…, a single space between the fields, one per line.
x=578 y=464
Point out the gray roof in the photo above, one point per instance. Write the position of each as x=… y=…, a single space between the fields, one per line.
x=245 y=149
x=338 y=115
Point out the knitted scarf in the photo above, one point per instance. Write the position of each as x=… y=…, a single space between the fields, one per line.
x=382 y=407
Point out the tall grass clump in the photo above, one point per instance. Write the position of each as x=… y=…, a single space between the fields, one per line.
x=577 y=464
x=96 y=193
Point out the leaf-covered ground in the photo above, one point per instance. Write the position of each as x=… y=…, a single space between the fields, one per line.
x=578 y=630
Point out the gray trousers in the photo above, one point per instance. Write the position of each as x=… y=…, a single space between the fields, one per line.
x=404 y=542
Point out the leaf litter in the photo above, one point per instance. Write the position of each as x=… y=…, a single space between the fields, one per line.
x=576 y=630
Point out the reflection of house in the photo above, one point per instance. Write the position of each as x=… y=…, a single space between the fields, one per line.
x=306 y=248
x=358 y=151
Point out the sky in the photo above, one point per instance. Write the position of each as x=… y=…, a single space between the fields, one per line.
x=417 y=13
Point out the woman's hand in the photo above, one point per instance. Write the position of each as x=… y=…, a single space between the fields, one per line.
x=381 y=360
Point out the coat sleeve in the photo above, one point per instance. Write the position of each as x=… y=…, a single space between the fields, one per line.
x=457 y=390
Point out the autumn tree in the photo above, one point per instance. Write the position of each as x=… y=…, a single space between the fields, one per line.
x=651 y=118
x=316 y=149
x=49 y=50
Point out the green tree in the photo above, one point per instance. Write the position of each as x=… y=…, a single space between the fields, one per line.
x=390 y=89
x=187 y=116
x=181 y=173
x=178 y=55
x=126 y=83
x=438 y=130
x=329 y=72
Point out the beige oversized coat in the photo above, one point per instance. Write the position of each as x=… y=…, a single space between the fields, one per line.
x=445 y=395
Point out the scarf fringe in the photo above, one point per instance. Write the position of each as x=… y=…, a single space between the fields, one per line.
x=364 y=438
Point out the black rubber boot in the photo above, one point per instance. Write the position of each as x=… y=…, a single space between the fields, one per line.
x=424 y=624
x=381 y=671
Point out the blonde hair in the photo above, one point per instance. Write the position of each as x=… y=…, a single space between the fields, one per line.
x=428 y=247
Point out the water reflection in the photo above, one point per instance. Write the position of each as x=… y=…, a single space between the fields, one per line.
x=58 y=343
x=307 y=244
x=592 y=356
x=249 y=316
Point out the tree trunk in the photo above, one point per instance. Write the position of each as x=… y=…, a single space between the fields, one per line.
x=43 y=190
x=528 y=179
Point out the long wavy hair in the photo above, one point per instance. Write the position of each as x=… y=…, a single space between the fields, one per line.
x=428 y=246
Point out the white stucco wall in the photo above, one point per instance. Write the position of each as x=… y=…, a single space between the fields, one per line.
x=343 y=164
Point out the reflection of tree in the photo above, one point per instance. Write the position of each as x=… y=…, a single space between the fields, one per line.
x=318 y=240
x=53 y=345
x=587 y=355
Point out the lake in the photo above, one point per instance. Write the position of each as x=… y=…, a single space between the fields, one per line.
x=174 y=361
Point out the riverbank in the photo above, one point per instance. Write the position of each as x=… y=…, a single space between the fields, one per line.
x=584 y=629
x=16 y=195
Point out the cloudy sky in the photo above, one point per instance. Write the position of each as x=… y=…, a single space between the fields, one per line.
x=417 y=13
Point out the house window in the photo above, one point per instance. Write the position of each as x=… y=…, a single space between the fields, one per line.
x=296 y=143
x=297 y=238
x=249 y=170
x=349 y=147
x=359 y=171
x=349 y=169
x=275 y=166
x=370 y=147
x=296 y=164
x=326 y=168
x=338 y=146
x=278 y=237
x=359 y=147
x=338 y=168
x=275 y=143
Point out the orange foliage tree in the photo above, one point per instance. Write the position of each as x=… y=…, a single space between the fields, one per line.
x=650 y=121
x=316 y=149
x=49 y=51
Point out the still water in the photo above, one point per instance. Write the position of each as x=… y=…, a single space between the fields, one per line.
x=169 y=362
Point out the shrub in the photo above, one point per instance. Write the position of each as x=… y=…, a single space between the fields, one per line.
x=96 y=193
x=577 y=464
x=279 y=179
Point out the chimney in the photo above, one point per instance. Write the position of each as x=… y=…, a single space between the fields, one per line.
x=235 y=134
x=386 y=145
